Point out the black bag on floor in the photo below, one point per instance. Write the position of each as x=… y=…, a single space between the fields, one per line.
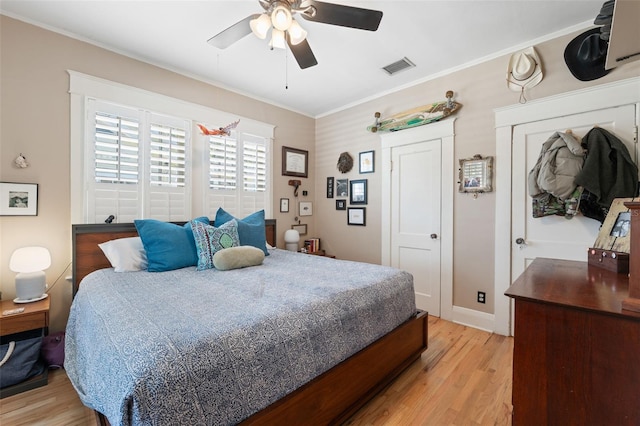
x=20 y=357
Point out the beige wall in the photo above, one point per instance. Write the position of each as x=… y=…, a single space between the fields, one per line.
x=480 y=89
x=34 y=108
x=34 y=120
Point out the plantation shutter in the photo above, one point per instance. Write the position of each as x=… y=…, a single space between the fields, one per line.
x=113 y=177
x=168 y=172
x=254 y=174
x=138 y=165
x=238 y=174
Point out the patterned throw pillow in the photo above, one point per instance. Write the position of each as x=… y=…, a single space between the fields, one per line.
x=251 y=229
x=210 y=239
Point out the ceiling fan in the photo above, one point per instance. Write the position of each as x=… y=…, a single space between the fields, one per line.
x=279 y=16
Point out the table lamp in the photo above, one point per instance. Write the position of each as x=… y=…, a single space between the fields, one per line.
x=30 y=263
x=291 y=238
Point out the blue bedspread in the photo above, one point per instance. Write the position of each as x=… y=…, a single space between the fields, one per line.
x=213 y=347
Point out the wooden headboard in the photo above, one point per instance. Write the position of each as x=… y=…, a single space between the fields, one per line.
x=88 y=257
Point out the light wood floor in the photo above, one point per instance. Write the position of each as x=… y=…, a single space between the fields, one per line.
x=464 y=378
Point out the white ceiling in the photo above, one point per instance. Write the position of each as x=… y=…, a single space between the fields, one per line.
x=438 y=36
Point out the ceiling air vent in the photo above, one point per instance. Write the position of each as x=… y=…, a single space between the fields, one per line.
x=398 y=66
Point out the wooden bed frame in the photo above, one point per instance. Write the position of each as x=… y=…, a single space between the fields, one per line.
x=330 y=398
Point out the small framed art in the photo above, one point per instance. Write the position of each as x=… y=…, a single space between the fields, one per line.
x=295 y=162
x=18 y=199
x=341 y=204
x=306 y=208
x=330 y=187
x=342 y=187
x=358 y=191
x=367 y=164
x=357 y=216
x=284 y=205
x=476 y=174
x=301 y=228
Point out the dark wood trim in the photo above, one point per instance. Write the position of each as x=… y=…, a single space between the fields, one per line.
x=336 y=395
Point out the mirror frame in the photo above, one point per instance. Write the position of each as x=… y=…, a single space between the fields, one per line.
x=476 y=174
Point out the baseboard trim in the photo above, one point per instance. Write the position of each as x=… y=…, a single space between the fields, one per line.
x=475 y=319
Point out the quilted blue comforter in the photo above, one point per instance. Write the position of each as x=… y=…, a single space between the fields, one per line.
x=213 y=347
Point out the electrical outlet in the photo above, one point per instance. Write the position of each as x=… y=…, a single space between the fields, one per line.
x=482 y=297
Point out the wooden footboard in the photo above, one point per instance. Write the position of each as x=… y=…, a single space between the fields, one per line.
x=336 y=395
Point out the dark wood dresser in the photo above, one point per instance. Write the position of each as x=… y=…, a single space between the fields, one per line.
x=576 y=357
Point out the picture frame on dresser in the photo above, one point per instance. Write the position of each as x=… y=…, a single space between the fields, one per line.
x=18 y=199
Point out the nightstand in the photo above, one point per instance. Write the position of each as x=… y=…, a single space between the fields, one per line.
x=322 y=253
x=35 y=316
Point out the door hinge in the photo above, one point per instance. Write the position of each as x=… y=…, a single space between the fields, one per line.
x=391 y=169
x=635 y=134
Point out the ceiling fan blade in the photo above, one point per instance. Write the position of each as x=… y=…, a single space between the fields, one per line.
x=303 y=53
x=227 y=37
x=345 y=16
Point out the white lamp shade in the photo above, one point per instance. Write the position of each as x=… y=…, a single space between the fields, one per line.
x=277 y=39
x=30 y=259
x=260 y=26
x=296 y=33
x=281 y=18
x=291 y=238
x=29 y=262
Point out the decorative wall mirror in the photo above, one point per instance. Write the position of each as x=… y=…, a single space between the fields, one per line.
x=476 y=174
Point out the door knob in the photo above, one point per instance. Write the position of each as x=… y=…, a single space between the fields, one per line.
x=434 y=236
x=520 y=241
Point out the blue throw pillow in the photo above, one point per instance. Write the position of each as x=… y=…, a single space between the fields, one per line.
x=251 y=229
x=168 y=246
x=210 y=240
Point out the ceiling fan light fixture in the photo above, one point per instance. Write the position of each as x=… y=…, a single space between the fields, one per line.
x=277 y=39
x=281 y=17
x=297 y=34
x=260 y=26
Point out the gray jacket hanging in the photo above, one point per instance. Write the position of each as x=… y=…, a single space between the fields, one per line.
x=560 y=161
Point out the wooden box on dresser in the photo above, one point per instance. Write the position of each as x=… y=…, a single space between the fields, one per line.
x=576 y=358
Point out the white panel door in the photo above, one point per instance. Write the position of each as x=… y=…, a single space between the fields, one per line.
x=555 y=236
x=415 y=218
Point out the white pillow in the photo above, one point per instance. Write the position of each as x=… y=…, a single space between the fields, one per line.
x=125 y=254
x=237 y=257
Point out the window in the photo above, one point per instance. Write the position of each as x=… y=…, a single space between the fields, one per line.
x=138 y=164
x=138 y=154
x=238 y=174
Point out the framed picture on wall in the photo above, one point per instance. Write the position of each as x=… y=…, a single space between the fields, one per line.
x=358 y=191
x=306 y=208
x=357 y=216
x=342 y=188
x=301 y=228
x=18 y=199
x=341 y=204
x=295 y=162
x=367 y=162
x=284 y=205
x=330 y=187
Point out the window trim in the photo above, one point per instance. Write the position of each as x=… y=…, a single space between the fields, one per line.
x=83 y=87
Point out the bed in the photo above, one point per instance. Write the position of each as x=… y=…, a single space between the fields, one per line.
x=305 y=375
